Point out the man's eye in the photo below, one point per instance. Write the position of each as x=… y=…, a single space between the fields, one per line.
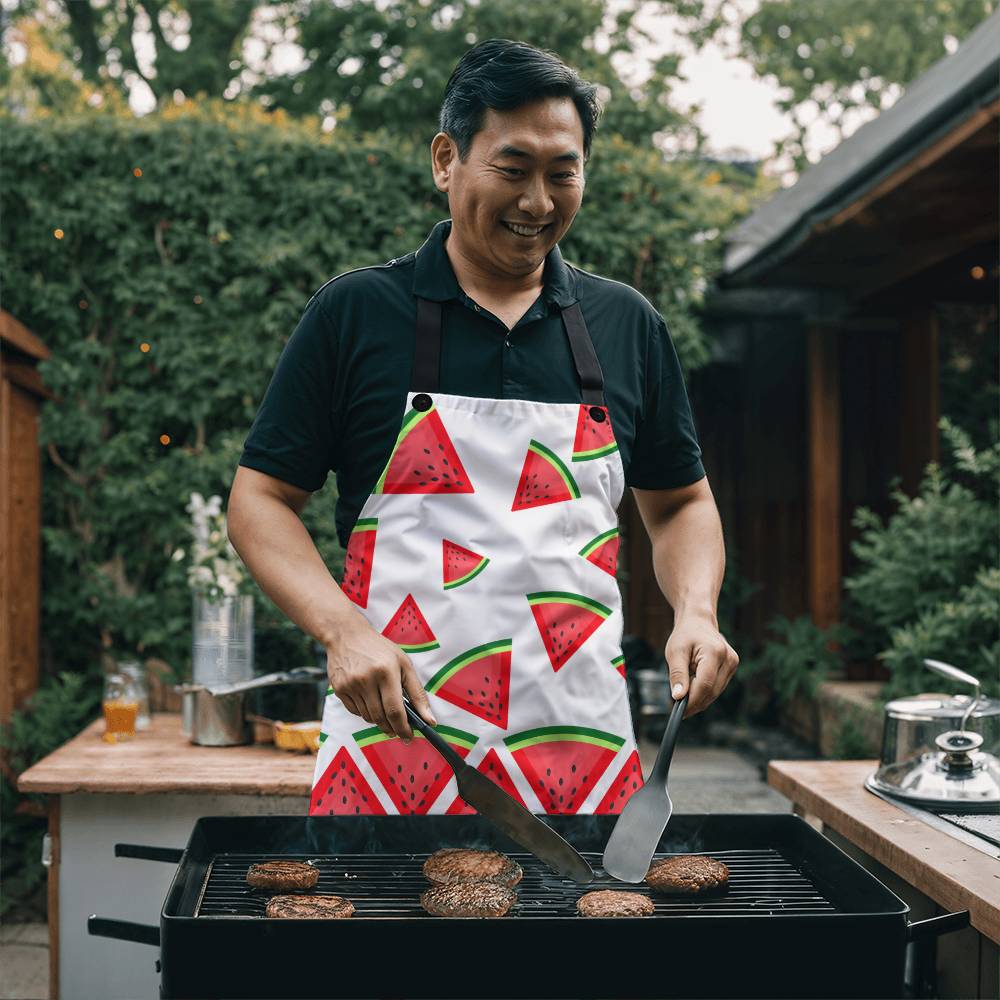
x=511 y=170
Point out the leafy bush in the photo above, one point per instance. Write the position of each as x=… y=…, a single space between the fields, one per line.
x=799 y=659
x=928 y=585
x=57 y=711
x=166 y=260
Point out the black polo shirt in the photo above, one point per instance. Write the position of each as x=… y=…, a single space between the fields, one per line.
x=336 y=398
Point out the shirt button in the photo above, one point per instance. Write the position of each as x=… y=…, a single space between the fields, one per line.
x=474 y=306
x=506 y=343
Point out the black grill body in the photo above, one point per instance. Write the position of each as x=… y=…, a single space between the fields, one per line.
x=800 y=918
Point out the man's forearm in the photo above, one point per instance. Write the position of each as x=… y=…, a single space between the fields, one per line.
x=689 y=559
x=279 y=552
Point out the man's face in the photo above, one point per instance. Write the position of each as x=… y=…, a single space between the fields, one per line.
x=524 y=170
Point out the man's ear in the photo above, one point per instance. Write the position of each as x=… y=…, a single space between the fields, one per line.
x=443 y=156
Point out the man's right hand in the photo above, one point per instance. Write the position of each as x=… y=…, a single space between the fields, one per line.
x=368 y=673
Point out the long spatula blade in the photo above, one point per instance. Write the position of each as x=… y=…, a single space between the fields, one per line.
x=522 y=826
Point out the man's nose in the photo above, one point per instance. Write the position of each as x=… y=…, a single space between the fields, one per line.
x=535 y=200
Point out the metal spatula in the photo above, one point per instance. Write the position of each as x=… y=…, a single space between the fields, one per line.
x=644 y=818
x=505 y=812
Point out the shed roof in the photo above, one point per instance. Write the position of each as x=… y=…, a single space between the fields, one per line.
x=950 y=91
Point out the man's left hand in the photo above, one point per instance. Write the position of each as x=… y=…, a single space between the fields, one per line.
x=698 y=654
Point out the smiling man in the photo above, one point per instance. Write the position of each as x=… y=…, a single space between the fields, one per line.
x=484 y=404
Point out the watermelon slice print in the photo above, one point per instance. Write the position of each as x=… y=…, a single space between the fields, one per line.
x=495 y=771
x=565 y=622
x=424 y=459
x=478 y=680
x=563 y=763
x=619 y=663
x=412 y=774
x=409 y=629
x=594 y=438
x=460 y=564
x=343 y=790
x=602 y=551
x=628 y=782
x=358 y=561
x=544 y=479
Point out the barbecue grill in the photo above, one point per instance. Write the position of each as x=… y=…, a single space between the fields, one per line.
x=798 y=919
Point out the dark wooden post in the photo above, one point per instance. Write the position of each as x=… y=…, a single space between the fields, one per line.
x=21 y=393
x=824 y=486
x=920 y=396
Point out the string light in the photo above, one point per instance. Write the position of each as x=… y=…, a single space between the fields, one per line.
x=164 y=439
x=84 y=304
x=136 y=171
x=58 y=234
x=978 y=273
x=144 y=347
x=197 y=300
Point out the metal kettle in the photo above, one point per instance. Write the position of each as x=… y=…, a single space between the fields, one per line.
x=941 y=750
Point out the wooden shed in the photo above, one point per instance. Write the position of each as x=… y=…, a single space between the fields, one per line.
x=827 y=320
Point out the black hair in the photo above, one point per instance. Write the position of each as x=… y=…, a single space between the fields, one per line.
x=503 y=75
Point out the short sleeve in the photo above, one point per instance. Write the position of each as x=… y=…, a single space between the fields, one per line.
x=666 y=454
x=293 y=435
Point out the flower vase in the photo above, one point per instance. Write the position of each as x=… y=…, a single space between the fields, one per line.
x=222 y=640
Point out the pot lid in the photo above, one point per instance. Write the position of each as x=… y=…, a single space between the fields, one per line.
x=959 y=775
x=938 y=705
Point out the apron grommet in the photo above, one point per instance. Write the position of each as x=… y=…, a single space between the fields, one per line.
x=421 y=401
x=596 y=413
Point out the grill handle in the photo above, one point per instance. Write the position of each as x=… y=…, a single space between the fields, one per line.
x=935 y=926
x=144 y=853
x=123 y=930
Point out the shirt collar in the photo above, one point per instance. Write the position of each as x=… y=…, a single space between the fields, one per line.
x=434 y=277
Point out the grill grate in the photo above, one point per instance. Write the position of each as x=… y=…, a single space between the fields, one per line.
x=761 y=882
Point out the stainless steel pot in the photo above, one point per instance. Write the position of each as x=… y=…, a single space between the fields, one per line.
x=215 y=715
x=940 y=749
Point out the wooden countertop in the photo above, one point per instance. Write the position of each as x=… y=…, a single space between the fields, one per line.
x=954 y=875
x=162 y=759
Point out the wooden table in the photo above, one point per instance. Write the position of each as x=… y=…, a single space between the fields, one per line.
x=148 y=790
x=905 y=852
x=163 y=759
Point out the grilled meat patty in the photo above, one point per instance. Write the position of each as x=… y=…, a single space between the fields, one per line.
x=687 y=874
x=283 y=875
x=458 y=864
x=468 y=899
x=311 y=907
x=614 y=903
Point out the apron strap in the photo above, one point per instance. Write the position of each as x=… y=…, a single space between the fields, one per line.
x=427 y=355
x=588 y=368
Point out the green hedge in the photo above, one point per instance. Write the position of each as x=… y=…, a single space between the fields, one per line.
x=202 y=232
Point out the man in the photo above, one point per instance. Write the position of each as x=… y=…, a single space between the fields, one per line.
x=484 y=405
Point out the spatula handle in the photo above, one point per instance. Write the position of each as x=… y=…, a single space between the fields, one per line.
x=439 y=744
x=665 y=753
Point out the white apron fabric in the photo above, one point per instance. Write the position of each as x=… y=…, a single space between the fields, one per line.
x=567 y=743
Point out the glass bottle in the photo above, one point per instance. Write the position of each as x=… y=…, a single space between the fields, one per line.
x=120 y=708
x=132 y=669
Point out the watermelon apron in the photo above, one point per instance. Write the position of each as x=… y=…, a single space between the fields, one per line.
x=487 y=551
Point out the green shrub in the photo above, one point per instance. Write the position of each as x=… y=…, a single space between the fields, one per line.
x=799 y=659
x=166 y=260
x=53 y=714
x=928 y=584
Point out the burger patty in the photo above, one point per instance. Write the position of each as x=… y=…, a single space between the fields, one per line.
x=687 y=874
x=614 y=903
x=458 y=864
x=314 y=907
x=468 y=899
x=283 y=875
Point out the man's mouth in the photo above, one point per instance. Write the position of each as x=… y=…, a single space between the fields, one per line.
x=526 y=231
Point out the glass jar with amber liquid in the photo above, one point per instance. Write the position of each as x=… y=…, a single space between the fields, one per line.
x=121 y=706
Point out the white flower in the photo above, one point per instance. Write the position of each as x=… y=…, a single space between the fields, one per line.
x=178 y=555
